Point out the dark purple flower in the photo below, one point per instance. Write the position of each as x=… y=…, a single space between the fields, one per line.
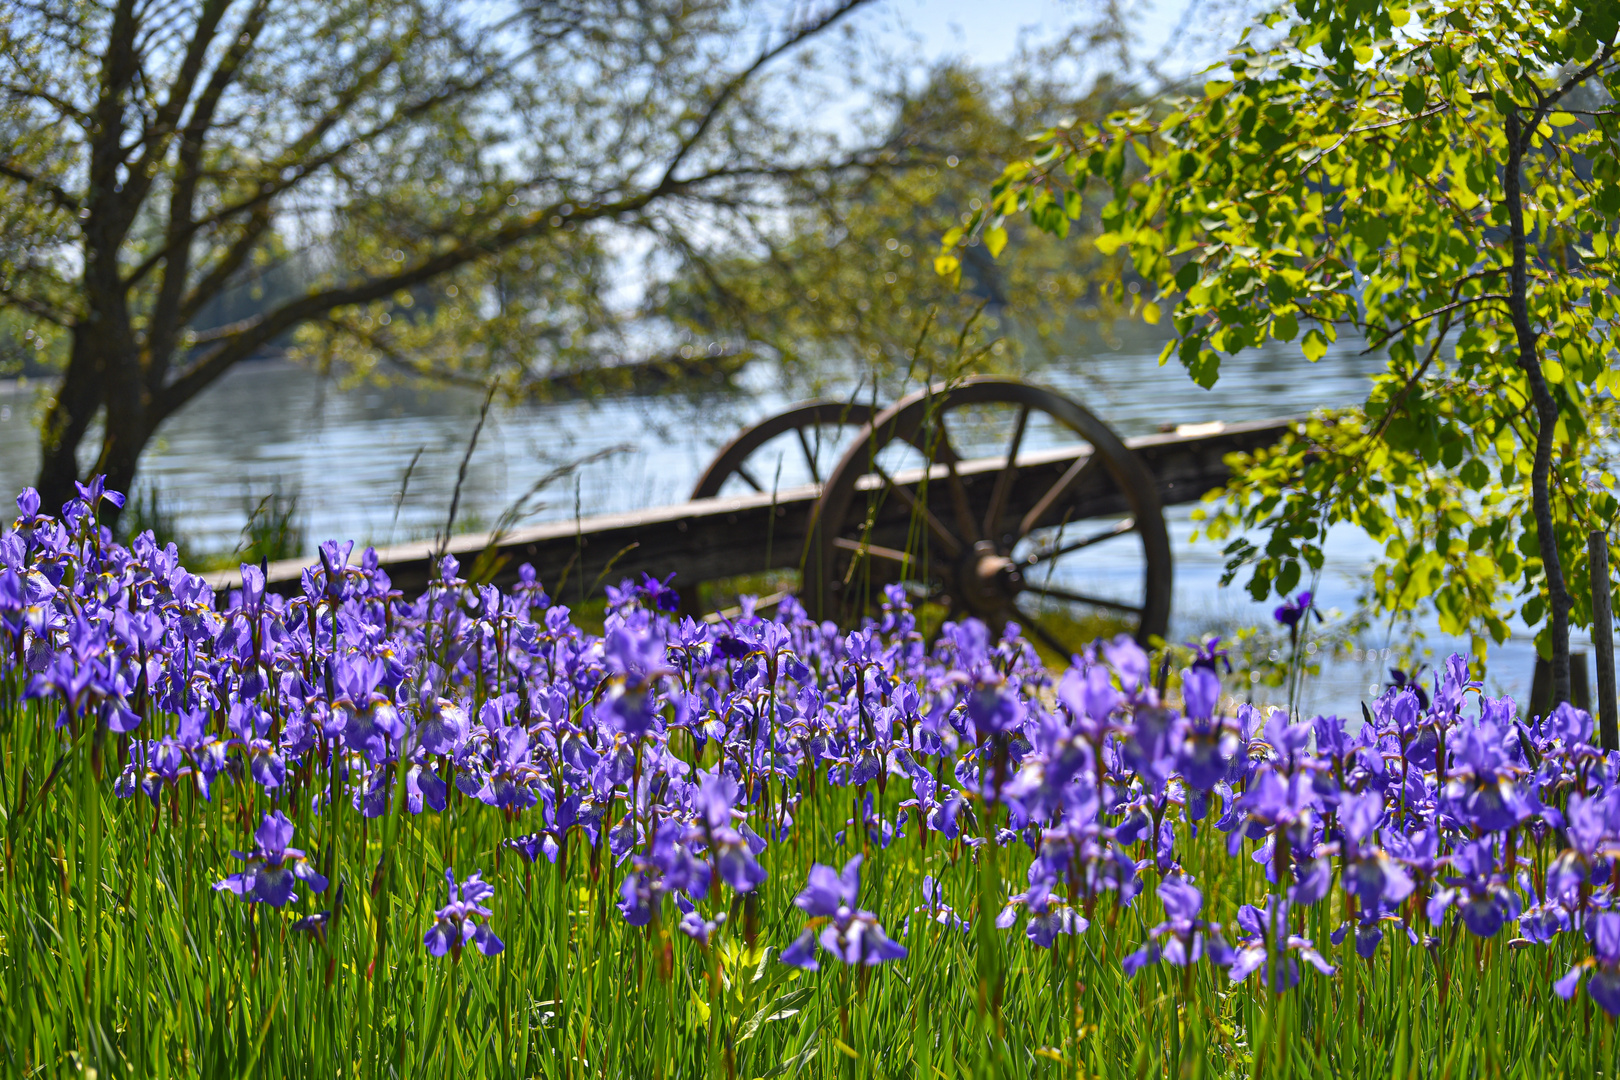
x=1201 y=691
x=272 y=867
x=463 y=919
x=1183 y=938
x=1264 y=943
x=1604 y=987
x=1292 y=611
x=93 y=493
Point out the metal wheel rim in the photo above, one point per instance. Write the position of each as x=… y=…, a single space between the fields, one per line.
x=731 y=458
x=906 y=420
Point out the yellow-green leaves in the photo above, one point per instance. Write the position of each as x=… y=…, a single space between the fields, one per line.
x=1314 y=346
x=1293 y=199
x=995 y=239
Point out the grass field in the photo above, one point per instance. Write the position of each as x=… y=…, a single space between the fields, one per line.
x=648 y=807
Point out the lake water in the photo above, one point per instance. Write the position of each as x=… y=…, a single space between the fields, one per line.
x=345 y=452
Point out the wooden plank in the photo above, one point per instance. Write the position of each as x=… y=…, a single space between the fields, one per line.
x=722 y=537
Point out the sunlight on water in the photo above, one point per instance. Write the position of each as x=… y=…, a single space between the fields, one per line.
x=345 y=452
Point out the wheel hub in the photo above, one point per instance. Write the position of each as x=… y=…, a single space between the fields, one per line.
x=989 y=580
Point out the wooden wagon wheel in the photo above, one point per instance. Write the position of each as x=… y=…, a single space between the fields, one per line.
x=809 y=422
x=986 y=520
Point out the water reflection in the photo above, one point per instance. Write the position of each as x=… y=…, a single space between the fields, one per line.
x=345 y=452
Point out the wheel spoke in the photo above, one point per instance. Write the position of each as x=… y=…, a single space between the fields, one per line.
x=748 y=478
x=947 y=540
x=960 y=505
x=861 y=547
x=942 y=452
x=1071 y=478
x=998 y=494
x=809 y=455
x=1054 y=592
x=1120 y=529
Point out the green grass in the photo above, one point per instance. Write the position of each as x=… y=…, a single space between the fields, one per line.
x=117 y=956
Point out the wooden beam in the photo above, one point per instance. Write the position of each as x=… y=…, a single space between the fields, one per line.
x=731 y=535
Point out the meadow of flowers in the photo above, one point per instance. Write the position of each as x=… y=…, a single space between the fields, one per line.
x=355 y=833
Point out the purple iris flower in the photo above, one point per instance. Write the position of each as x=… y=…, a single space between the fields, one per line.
x=272 y=867
x=1049 y=914
x=633 y=652
x=1587 y=859
x=1209 y=656
x=659 y=595
x=1265 y=943
x=852 y=935
x=1400 y=680
x=1482 y=783
x=934 y=907
x=1369 y=931
x=1479 y=890
x=252 y=587
x=1207 y=746
x=1201 y=691
x=1292 y=611
x=441 y=726
x=1370 y=874
x=94 y=493
x=735 y=854
x=463 y=919
x=1183 y=938
x=1604 y=963
x=693 y=924
x=1129 y=661
x=334 y=564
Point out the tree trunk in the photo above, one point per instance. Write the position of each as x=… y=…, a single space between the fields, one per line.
x=77 y=400
x=1558 y=600
x=127 y=431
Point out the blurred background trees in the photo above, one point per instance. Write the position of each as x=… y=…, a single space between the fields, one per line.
x=1436 y=184
x=501 y=193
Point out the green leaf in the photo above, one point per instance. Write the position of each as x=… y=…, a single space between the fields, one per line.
x=1285 y=326
x=1151 y=313
x=1314 y=346
x=1108 y=242
x=1412 y=96
x=995 y=240
x=783 y=1007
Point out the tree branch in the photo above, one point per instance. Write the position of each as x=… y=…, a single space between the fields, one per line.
x=37 y=308
x=803 y=32
x=296 y=170
x=1427 y=315
x=58 y=194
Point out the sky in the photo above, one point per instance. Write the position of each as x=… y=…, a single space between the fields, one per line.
x=986 y=31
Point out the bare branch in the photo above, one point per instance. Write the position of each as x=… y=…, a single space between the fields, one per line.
x=37 y=308
x=803 y=32
x=1427 y=315
x=63 y=199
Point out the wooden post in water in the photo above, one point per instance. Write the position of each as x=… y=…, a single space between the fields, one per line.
x=1597 y=550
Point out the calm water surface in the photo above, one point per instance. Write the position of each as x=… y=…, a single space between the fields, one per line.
x=345 y=452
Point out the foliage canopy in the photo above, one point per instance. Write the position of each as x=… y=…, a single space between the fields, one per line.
x=1437 y=181
x=435 y=185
